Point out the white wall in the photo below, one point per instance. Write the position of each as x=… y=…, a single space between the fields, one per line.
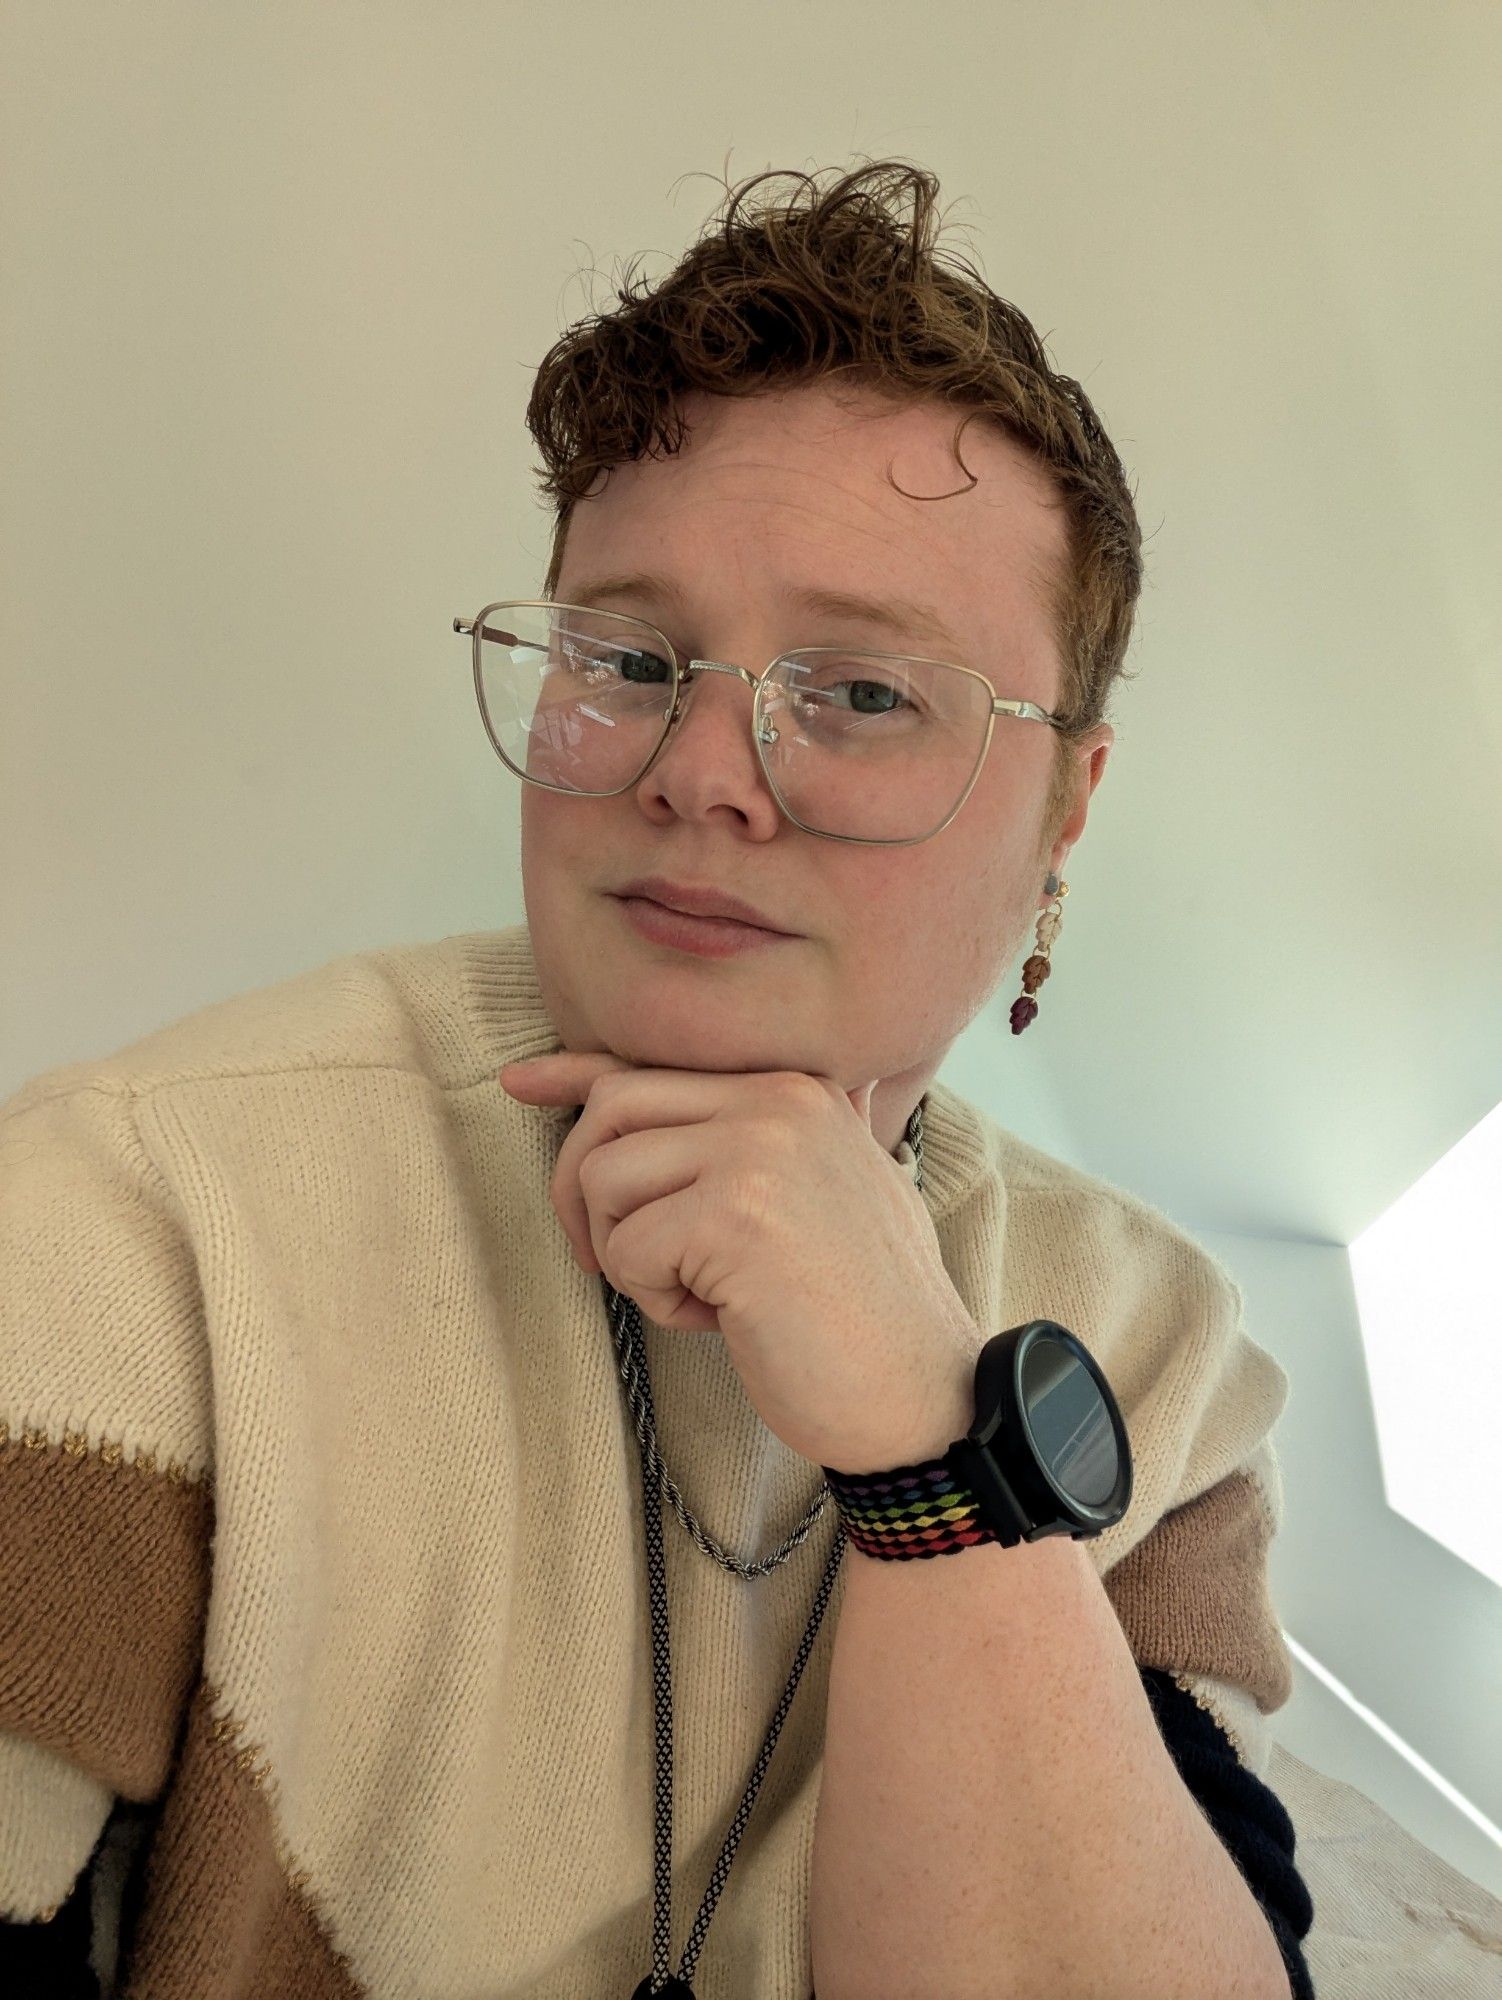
x=1411 y=1631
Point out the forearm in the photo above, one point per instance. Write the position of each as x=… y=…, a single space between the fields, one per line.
x=999 y=1814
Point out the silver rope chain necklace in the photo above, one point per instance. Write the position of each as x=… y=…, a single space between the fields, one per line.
x=625 y=1326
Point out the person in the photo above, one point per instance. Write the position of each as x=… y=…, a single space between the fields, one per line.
x=348 y=1384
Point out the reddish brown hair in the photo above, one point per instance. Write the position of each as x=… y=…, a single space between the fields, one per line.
x=847 y=283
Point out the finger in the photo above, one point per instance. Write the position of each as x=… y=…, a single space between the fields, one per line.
x=564 y=1077
x=644 y=1100
x=523 y=1079
x=639 y=1101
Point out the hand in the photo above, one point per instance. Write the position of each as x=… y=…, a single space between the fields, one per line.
x=760 y=1206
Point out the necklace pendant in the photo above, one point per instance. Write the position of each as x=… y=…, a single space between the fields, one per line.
x=675 y=1989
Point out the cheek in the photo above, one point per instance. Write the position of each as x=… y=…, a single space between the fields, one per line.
x=552 y=882
x=966 y=921
x=553 y=845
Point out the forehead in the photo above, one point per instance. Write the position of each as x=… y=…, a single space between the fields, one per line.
x=823 y=487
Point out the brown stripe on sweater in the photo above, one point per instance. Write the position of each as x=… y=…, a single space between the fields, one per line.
x=1193 y=1595
x=227 y=1914
x=104 y=1565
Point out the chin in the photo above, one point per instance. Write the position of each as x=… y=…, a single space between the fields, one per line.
x=709 y=1053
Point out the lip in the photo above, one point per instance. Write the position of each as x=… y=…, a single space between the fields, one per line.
x=694 y=902
x=704 y=937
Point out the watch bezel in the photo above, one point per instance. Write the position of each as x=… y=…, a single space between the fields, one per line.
x=998 y=1391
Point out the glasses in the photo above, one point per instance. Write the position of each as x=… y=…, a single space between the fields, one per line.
x=878 y=748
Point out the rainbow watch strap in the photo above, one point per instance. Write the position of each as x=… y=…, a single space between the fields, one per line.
x=911 y=1512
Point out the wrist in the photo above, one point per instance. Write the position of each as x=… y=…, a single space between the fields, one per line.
x=913 y=1443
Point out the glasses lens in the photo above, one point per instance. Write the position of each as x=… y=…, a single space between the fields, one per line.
x=872 y=747
x=573 y=698
x=855 y=744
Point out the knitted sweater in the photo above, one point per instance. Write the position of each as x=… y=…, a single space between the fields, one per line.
x=321 y=1541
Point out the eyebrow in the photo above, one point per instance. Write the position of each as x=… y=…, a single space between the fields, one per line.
x=897 y=615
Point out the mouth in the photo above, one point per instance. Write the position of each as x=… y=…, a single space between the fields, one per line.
x=695 y=900
x=707 y=937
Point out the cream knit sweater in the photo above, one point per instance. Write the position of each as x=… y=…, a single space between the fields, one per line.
x=321 y=1512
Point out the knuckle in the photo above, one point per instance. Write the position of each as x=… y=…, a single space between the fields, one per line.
x=798 y=1088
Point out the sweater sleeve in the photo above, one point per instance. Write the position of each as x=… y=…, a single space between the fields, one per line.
x=105 y=1510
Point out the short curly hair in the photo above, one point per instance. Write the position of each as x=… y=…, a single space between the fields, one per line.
x=846 y=282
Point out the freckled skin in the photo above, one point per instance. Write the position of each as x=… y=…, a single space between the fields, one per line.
x=901 y=946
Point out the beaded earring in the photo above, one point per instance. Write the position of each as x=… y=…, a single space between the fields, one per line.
x=1037 y=968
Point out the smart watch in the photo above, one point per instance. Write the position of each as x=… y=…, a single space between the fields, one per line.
x=1048 y=1451
x=1046 y=1455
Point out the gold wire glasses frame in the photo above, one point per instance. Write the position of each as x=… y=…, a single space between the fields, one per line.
x=477 y=630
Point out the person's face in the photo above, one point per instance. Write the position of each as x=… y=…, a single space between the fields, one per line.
x=898 y=948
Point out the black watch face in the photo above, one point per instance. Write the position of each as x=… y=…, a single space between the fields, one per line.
x=1070 y=1423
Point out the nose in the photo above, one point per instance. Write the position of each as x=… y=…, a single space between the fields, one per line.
x=737 y=710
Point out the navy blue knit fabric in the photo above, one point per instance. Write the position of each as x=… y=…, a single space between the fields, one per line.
x=51 y=1961
x=1249 y=1817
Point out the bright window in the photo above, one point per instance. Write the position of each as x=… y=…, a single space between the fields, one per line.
x=1428 y=1281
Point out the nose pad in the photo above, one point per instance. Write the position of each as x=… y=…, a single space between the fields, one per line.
x=687 y=702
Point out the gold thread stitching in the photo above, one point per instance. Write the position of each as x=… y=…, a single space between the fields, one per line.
x=1182 y=1681
x=251 y=1759
x=75 y=1444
